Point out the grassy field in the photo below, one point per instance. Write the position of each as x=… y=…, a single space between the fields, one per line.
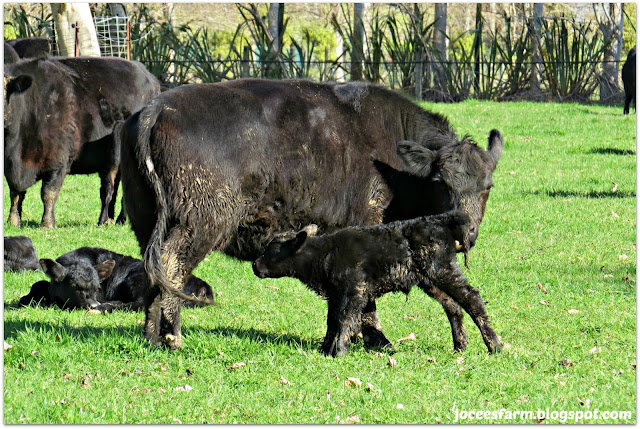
x=555 y=261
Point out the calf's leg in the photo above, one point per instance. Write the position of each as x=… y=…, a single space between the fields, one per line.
x=107 y=195
x=343 y=320
x=372 y=329
x=454 y=314
x=457 y=287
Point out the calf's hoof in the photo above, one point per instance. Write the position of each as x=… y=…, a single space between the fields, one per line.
x=15 y=220
x=494 y=347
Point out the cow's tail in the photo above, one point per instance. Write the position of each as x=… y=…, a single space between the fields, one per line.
x=152 y=258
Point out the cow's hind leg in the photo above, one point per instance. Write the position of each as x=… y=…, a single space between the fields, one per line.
x=107 y=195
x=457 y=287
x=372 y=329
x=454 y=314
x=15 y=212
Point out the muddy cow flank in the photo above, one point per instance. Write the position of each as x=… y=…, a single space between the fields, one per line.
x=95 y=278
x=629 y=80
x=58 y=116
x=226 y=166
x=355 y=265
x=19 y=254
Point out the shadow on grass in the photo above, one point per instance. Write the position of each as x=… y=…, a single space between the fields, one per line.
x=579 y=194
x=12 y=328
x=611 y=151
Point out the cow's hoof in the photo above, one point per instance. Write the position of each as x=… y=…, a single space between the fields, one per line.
x=494 y=348
x=15 y=221
x=172 y=342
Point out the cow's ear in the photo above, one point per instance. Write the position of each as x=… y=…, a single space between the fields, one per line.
x=105 y=269
x=417 y=158
x=52 y=269
x=18 y=85
x=301 y=237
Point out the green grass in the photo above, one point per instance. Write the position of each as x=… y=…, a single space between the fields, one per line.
x=553 y=219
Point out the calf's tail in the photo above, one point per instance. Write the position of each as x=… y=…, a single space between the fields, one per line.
x=152 y=258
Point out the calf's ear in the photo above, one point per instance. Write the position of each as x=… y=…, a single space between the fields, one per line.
x=496 y=145
x=52 y=269
x=416 y=158
x=105 y=269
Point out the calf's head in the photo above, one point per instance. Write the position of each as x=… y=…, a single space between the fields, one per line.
x=277 y=259
x=77 y=284
x=457 y=176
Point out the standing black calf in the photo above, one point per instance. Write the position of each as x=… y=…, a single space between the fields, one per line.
x=356 y=265
x=91 y=277
x=19 y=254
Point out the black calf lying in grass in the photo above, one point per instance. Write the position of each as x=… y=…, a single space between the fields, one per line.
x=19 y=254
x=96 y=278
x=353 y=265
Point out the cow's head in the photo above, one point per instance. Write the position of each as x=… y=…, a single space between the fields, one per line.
x=76 y=285
x=457 y=176
x=276 y=261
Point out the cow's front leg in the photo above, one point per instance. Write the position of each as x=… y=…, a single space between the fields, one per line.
x=454 y=314
x=49 y=194
x=153 y=311
x=15 y=212
x=372 y=329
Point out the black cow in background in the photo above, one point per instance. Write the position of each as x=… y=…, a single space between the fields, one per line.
x=95 y=278
x=30 y=47
x=226 y=166
x=629 y=80
x=19 y=254
x=59 y=114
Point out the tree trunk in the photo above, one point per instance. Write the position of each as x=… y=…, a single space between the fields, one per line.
x=275 y=18
x=440 y=45
x=608 y=16
x=65 y=16
x=536 y=58
x=357 y=51
x=477 y=44
x=419 y=52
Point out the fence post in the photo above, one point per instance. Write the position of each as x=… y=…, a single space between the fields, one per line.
x=77 y=41
x=128 y=39
x=245 y=62
x=418 y=72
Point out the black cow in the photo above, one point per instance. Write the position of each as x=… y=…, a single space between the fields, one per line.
x=30 y=47
x=355 y=265
x=226 y=166
x=95 y=278
x=19 y=254
x=629 y=80
x=59 y=114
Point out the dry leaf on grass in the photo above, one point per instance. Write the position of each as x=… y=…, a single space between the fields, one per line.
x=236 y=365
x=410 y=337
x=392 y=362
x=284 y=381
x=573 y=311
x=459 y=360
x=566 y=363
x=7 y=346
x=615 y=187
x=544 y=302
x=353 y=419
x=352 y=381
x=541 y=287
x=184 y=388
x=432 y=360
